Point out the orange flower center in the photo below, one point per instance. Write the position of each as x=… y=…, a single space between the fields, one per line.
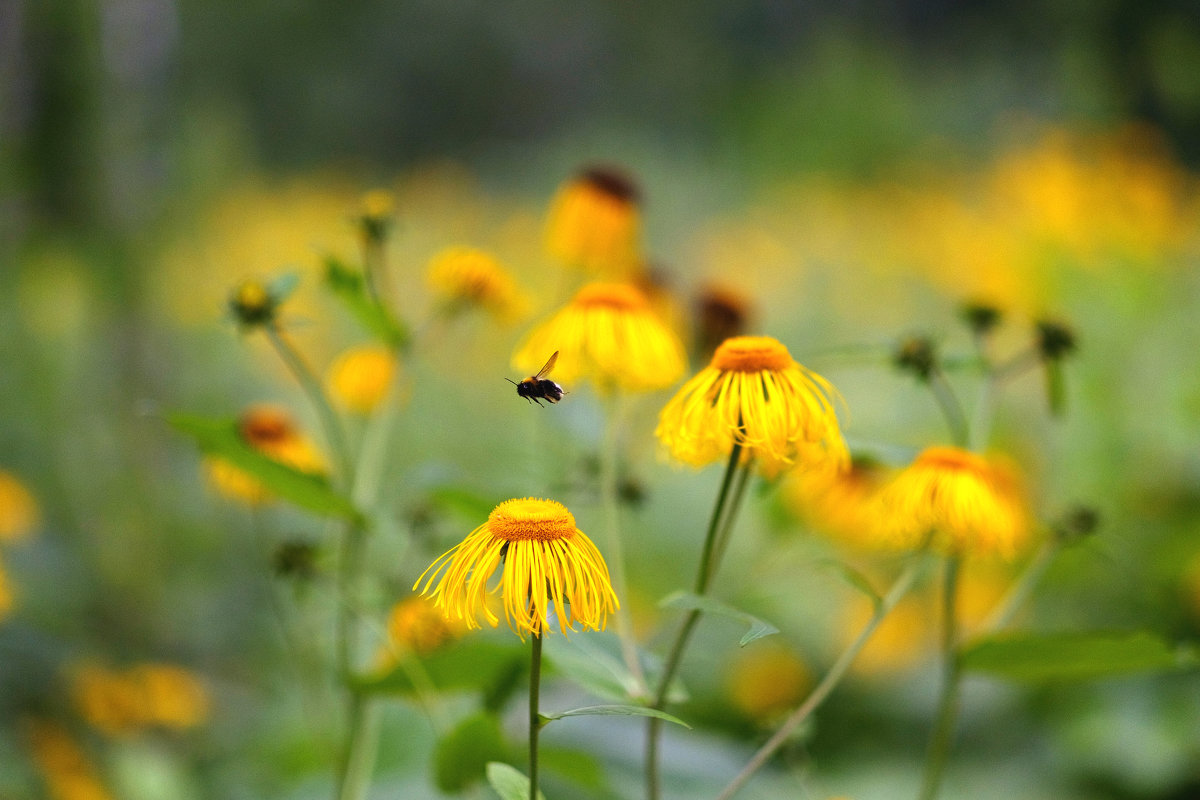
x=618 y=296
x=751 y=354
x=954 y=459
x=529 y=519
x=264 y=426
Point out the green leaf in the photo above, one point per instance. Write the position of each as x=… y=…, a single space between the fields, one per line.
x=460 y=758
x=509 y=782
x=615 y=711
x=856 y=579
x=349 y=286
x=590 y=668
x=220 y=438
x=1037 y=657
x=693 y=602
x=580 y=767
x=464 y=664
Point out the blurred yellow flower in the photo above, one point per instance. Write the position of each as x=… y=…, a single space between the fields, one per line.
x=593 y=223
x=360 y=377
x=6 y=594
x=766 y=680
x=65 y=768
x=467 y=277
x=120 y=702
x=271 y=431
x=378 y=204
x=956 y=500
x=840 y=503
x=609 y=335
x=19 y=513
x=109 y=701
x=903 y=639
x=753 y=393
x=415 y=624
x=548 y=562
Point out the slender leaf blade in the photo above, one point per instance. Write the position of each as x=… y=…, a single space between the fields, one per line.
x=693 y=602
x=349 y=286
x=615 y=711
x=219 y=438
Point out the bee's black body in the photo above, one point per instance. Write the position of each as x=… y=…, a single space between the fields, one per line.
x=544 y=389
x=536 y=388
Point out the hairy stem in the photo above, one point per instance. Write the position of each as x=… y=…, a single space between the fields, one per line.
x=948 y=702
x=535 y=720
x=832 y=678
x=675 y=654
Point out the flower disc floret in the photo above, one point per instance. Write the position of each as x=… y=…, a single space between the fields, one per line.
x=547 y=563
x=754 y=394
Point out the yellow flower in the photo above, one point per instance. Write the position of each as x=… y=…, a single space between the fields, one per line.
x=593 y=223
x=6 y=594
x=122 y=702
x=473 y=278
x=415 y=624
x=607 y=334
x=903 y=639
x=767 y=680
x=840 y=504
x=109 y=701
x=18 y=510
x=755 y=394
x=378 y=204
x=956 y=500
x=65 y=768
x=360 y=377
x=270 y=431
x=547 y=562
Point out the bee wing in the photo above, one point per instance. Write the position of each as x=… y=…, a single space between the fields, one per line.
x=549 y=366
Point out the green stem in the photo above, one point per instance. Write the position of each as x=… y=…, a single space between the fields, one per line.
x=361 y=744
x=609 y=453
x=832 y=678
x=675 y=654
x=535 y=720
x=1023 y=586
x=312 y=387
x=947 y=713
x=952 y=410
x=739 y=492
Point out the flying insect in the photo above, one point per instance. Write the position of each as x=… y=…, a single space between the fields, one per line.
x=538 y=387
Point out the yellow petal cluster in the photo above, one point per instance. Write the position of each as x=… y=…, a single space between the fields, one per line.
x=469 y=277
x=766 y=680
x=415 y=624
x=958 y=502
x=593 y=223
x=18 y=510
x=360 y=377
x=144 y=695
x=547 y=563
x=840 y=504
x=753 y=393
x=66 y=770
x=607 y=334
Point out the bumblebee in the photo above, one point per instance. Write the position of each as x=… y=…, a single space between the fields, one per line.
x=538 y=387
